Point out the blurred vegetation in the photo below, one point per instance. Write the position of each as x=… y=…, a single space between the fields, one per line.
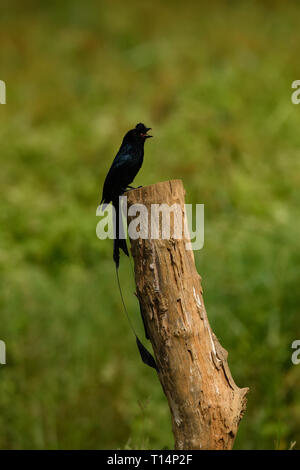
x=214 y=83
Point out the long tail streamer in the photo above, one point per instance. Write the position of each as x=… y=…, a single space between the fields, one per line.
x=146 y=356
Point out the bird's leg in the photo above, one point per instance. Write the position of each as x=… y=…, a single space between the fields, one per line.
x=129 y=188
x=132 y=187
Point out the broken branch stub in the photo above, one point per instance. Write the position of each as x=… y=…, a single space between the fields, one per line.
x=205 y=403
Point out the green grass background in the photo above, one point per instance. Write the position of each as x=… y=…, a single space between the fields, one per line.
x=214 y=82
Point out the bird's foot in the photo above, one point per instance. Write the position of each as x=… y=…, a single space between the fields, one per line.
x=129 y=188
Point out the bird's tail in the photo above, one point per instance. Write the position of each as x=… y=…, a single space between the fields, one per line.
x=119 y=240
x=146 y=356
x=120 y=243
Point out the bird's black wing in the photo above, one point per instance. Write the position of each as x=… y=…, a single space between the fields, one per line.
x=118 y=177
x=116 y=181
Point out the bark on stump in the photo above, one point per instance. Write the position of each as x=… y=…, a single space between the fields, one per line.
x=205 y=403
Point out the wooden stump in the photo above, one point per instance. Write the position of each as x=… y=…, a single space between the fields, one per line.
x=205 y=403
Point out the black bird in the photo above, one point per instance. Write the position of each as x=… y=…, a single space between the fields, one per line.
x=122 y=172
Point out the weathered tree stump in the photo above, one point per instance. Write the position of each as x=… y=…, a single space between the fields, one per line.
x=205 y=403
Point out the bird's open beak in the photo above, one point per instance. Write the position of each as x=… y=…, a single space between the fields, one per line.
x=146 y=135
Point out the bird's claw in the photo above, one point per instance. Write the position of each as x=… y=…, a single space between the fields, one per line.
x=130 y=188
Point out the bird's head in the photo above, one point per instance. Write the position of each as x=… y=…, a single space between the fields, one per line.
x=139 y=133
